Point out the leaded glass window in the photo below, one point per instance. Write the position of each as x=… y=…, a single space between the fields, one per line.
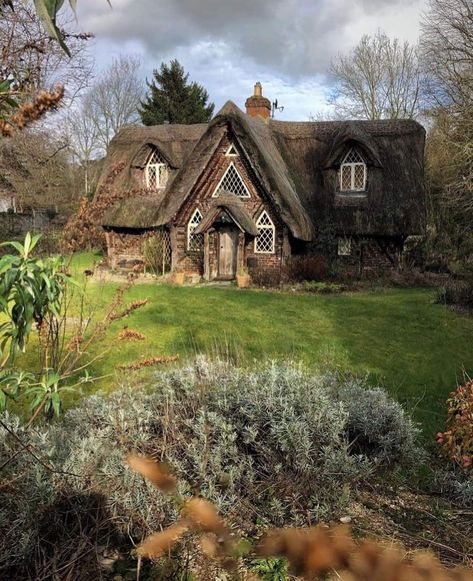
x=157 y=172
x=344 y=246
x=195 y=242
x=265 y=241
x=353 y=172
x=232 y=182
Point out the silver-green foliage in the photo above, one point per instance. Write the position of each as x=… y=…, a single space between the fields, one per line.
x=270 y=445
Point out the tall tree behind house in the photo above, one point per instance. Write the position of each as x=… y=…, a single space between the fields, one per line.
x=379 y=79
x=173 y=99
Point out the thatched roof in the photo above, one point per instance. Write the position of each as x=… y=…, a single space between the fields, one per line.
x=233 y=205
x=394 y=152
x=132 y=146
x=296 y=164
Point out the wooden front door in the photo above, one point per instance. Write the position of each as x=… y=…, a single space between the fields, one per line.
x=227 y=252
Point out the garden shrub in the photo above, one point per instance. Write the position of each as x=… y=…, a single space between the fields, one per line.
x=264 y=278
x=457 y=293
x=275 y=445
x=306 y=267
x=455 y=483
x=323 y=288
x=377 y=426
x=456 y=443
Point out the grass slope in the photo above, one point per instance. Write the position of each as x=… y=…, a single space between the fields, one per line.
x=417 y=350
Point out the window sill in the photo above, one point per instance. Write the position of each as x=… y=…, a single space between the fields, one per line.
x=351 y=198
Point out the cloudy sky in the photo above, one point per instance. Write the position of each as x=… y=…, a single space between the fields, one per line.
x=228 y=45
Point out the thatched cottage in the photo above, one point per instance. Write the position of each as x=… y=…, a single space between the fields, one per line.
x=248 y=192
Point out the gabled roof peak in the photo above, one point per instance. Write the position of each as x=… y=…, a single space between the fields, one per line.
x=228 y=108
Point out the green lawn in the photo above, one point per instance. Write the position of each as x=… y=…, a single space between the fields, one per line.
x=398 y=338
x=417 y=350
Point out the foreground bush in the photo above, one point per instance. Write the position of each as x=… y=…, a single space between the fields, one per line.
x=310 y=553
x=456 y=443
x=272 y=446
x=307 y=267
x=456 y=293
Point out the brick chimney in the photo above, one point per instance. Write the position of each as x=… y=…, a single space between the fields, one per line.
x=257 y=105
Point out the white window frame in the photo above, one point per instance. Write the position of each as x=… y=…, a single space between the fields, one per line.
x=192 y=225
x=228 y=154
x=352 y=166
x=344 y=247
x=216 y=191
x=265 y=227
x=157 y=166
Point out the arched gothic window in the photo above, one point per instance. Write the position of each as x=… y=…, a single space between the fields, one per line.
x=353 y=172
x=195 y=242
x=266 y=239
x=156 y=172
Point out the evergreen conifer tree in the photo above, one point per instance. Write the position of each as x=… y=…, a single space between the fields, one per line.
x=172 y=98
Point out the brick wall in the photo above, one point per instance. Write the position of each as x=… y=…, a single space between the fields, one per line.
x=124 y=250
x=366 y=257
x=201 y=198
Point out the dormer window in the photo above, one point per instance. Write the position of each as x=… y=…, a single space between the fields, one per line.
x=156 y=172
x=353 y=172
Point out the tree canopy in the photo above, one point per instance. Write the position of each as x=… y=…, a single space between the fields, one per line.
x=173 y=99
x=379 y=79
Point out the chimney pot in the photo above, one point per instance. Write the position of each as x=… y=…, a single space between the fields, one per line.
x=257 y=105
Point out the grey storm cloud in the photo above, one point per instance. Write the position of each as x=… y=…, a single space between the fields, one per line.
x=294 y=37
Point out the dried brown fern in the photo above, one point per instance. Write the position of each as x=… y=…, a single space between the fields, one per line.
x=312 y=553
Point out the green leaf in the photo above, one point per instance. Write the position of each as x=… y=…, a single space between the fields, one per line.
x=34 y=240
x=47 y=10
x=56 y=402
x=16 y=245
x=52 y=379
x=3 y=400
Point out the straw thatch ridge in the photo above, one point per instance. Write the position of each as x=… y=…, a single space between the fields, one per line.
x=262 y=154
x=235 y=208
x=297 y=165
x=133 y=145
x=394 y=201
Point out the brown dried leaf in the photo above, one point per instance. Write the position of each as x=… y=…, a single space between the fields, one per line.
x=203 y=515
x=156 y=472
x=157 y=544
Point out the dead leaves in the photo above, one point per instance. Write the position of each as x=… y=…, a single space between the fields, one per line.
x=149 y=362
x=157 y=473
x=312 y=553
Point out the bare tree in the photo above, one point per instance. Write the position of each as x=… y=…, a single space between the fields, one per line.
x=114 y=99
x=38 y=172
x=31 y=61
x=82 y=136
x=447 y=57
x=380 y=78
x=447 y=52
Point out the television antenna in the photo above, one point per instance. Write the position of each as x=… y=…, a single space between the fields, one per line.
x=276 y=107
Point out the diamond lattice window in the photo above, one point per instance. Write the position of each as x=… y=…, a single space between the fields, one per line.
x=232 y=182
x=157 y=172
x=157 y=251
x=195 y=242
x=344 y=246
x=265 y=241
x=353 y=173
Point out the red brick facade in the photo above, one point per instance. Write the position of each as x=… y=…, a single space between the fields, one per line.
x=201 y=198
